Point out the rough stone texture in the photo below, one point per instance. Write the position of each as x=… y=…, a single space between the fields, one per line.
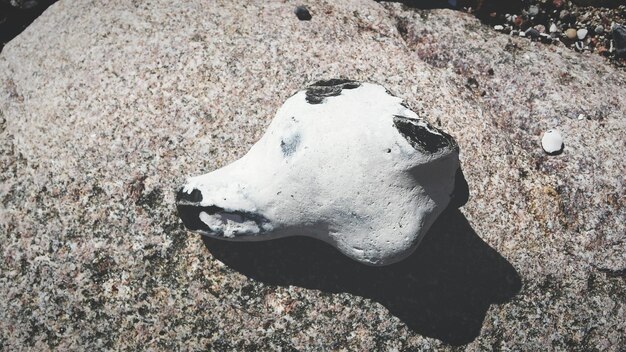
x=106 y=105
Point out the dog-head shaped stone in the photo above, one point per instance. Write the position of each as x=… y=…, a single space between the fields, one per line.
x=342 y=161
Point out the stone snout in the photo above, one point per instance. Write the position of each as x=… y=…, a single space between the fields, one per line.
x=344 y=162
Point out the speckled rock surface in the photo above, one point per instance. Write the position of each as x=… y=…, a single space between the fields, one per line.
x=101 y=119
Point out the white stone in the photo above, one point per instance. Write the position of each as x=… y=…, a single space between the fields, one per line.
x=552 y=142
x=581 y=33
x=579 y=46
x=553 y=28
x=498 y=27
x=344 y=162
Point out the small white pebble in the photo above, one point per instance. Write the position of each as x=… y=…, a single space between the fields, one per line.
x=581 y=33
x=580 y=46
x=552 y=142
x=498 y=27
x=581 y=116
x=553 y=28
x=599 y=29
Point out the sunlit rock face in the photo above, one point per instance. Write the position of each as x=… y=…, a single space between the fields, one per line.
x=342 y=161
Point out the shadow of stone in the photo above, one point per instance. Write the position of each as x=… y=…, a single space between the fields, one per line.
x=14 y=19
x=443 y=290
x=481 y=8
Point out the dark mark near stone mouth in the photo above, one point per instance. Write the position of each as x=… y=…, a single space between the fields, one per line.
x=421 y=138
x=190 y=215
x=194 y=197
x=318 y=91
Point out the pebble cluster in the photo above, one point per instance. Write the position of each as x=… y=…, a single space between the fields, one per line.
x=581 y=28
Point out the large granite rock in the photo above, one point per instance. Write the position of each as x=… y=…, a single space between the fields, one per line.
x=105 y=106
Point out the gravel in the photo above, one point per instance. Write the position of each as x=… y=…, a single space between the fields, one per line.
x=575 y=25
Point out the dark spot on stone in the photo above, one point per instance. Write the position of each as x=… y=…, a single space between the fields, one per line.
x=472 y=83
x=522 y=173
x=388 y=150
x=512 y=47
x=402 y=25
x=100 y=267
x=136 y=187
x=345 y=83
x=302 y=13
x=290 y=144
x=318 y=91
x=490 y=72
x=152 y=199
x=614 y=273
x=194 y=197
x=591 y=282
x=423 y=138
